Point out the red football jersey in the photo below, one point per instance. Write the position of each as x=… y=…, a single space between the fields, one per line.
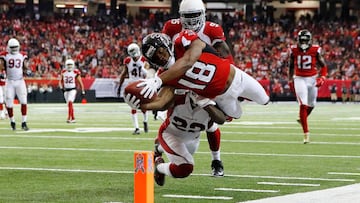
x=305 y=62
x=210 y=33
x=207 y=77
x=183 y=41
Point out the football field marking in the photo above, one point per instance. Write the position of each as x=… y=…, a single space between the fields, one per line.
x=246 y=190
x=194 y=174
x=348 y=194
x=24 y=134
x=289 y=184
x=344 y=173
x=197 y=197
x=223 y=153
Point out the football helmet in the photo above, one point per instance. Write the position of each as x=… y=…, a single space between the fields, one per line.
x=69 y=64
x=151 y=43
x=192 y=14
x=304 y=39
x=133 y=50
x=13 y=46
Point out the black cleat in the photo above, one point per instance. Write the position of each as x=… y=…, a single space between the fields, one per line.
x=24 y=126
x=146 y=128
x=13 y=125
x=136 y=131
x=159 y=177
x=217 y=168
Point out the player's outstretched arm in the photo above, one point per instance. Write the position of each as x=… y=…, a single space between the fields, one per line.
x=162 y=102
x=183 y=64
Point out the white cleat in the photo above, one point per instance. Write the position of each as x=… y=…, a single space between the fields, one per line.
x=306 y=138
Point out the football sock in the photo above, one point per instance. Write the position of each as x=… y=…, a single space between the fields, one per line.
x=303 y=118
x=214 y=140
x=134 y=119
x=10 y=112
x=23 y=109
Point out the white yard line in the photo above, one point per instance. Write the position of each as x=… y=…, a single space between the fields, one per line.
x=283 y=177
x=197 y=197
x=344 y=173
x=25 y=134
x=289 y=184
x=223 y=153
x=246 y=190
x=348 y=194
x=131 y=172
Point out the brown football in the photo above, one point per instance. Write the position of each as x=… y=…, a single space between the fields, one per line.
x=132 y=89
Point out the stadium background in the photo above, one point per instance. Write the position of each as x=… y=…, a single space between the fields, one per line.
x=96 y=32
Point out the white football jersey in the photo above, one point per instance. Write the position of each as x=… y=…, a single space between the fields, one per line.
x=136 y=69
x=69 y=78
x=14 y=65
x=187 y=122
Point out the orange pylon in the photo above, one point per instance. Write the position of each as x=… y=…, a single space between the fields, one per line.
x=144 y=177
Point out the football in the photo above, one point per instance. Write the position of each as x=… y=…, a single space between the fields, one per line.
x=133 y=90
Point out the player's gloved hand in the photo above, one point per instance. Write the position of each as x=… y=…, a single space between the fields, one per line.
x=151 y=86
x=2 y=76
x=62 y=89
x=132 y=101
x=201 y=101
x=291 y=86
x=83 y=93
x=320 y=81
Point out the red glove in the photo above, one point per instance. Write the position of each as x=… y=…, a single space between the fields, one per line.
x=291 y=86
x=320 y=81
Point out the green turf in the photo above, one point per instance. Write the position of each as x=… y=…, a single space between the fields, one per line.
x=92 y=160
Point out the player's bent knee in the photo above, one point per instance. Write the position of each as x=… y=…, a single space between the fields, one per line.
x=181 y=171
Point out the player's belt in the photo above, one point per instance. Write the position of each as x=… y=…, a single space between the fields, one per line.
x=69 y=89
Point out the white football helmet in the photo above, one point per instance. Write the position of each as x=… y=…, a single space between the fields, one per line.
x=69 y=64
x=133 y=50
x=13 y=46
x=192 y=14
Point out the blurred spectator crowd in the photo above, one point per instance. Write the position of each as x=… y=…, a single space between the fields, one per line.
x=98 y=44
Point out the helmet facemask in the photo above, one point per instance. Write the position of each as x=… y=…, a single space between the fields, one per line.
x=193 y=20
x=304 y=39
x=133 y=50
x=158 y=50
x=192 y=14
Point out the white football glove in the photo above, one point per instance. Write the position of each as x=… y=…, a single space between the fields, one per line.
x=200 y=100
x=151 y=86
x=132 y=101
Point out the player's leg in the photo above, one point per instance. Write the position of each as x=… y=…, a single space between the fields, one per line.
x=179 y=154
x=70 y=98
x=2 y=100
x=21 y=93
x=252 y=89
x=135 y=121
x=301 y=89
x=213 y=137
x=9 y=102
x=145 y=121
